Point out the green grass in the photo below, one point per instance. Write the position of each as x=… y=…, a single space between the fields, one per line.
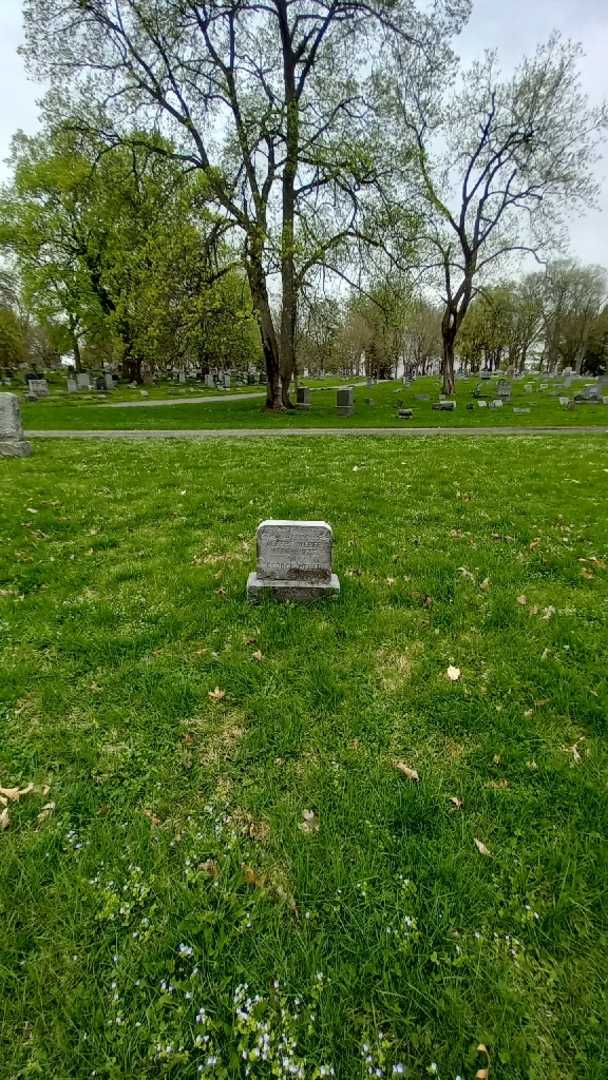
x=545 y=411
x=177 y=819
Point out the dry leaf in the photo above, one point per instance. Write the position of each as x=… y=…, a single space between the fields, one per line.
x=456 y=802
x=535 y=543
x=497 y=759
x=14 y=794
x=221 y=591
x=466 y=573
x=46 y=811
x=310 y=823
x=405 y=769
x=217 y=694
x=152 y=818
x=483 y=1074
x=251 y=641
x=485 y=585
x=574 y=751
x=453 y=673
x=498 y=785
x=209 y=867
x=258 y=655
x=482 y=849
x=548 y=612
x=4 y=820
x=390 y=580
x=523 y=599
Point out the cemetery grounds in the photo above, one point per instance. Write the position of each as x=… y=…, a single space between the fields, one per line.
x=361 y=837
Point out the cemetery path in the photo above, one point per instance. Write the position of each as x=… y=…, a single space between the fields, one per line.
x=275 y=433
x=182 y=401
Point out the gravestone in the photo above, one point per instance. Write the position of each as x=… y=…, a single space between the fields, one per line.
x=528 y=387
x=485 y=374
x=344 y=401
x=303 y=397
x=12 y=443
x=589 y=394
x=210 y=381
x=405 y=414
x=72 y=386
x=39 y=387
x=149 y=379
x=83 y=380
x=503 y=389
x=108 y=378
x=293 y=561
x=226 y=382
x=482 y=403
x=564 y=400
x=444 y=406
x=181 y=377
x=521 y=409
x=422 y=397
x=496 y=403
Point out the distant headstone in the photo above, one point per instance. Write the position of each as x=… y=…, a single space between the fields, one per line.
x=293 y=561
x=497 y=403
x=482 y=404
x=12 y=443
x=39 y=387
x=423 y=397
x=589 y=394
x=72 y=386
x=564 y=400
x=108 y=378
x=210 y=381
x=181 y=377
x=444 y=406
x=485 y=374
x=303 y=397
x=227 y=382
x=344 y=401
x=405 y=414
x=528 y=387
x=148 y=378
x=503 y=389
x=83 y=380
x=520 y=409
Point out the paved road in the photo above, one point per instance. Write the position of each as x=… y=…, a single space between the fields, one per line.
x=275 y=433
x=181 y=401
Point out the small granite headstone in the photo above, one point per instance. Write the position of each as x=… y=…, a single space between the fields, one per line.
x=481 y=403
x=226 y=382
x=303 y=397
x=503 y=389
x=293 y=561
x=589 y=394
x=496 y=403
x=405 y=414
x=12 y=443
x=485 y=374
x=210 y=381
x=520 y=409
x=181 y=377
x=39 y=387
x=444 y=406
x=344 y=401
x=83 y=380
x=108 y=378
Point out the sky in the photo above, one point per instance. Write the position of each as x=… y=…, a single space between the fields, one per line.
x=513 y=27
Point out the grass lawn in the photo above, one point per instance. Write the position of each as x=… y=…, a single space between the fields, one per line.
x=241 y=882
x=375 y=407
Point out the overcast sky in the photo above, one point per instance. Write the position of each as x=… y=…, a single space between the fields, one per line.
x=514 y=27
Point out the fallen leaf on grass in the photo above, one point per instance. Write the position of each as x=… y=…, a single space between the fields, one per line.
x=310 y=822
x=574 y=751
x=4 y=820
x=535 y=543
x=486 y=585
x=411 y=774
x=456 y=802
x=221 y=591
x=258 y=655
x=217 y=694
x=523 y=600
x=482 y=849
x=251 y=641
x=497 y=759
x=498 y=785
x=13 y=794
x=453 y=673
x=46 y=811
x=483 y=1074
x=209 y=867
x=548 y=612
x=152 y=818
x=466 y=573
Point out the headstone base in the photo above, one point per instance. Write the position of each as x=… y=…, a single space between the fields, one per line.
x=258 y=588
x=303 y=405
x=15 y=448
x=345 y=410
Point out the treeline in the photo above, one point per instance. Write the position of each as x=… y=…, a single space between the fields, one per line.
x=114 y=256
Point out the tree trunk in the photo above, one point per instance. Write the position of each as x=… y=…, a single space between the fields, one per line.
x=447 y=364
x=288 y=274
x=261 y=304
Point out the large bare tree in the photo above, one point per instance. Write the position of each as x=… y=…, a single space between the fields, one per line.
x=500 y=165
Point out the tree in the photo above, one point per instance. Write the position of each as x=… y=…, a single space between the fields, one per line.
x=571 y=298
x=278 y=86
x=497 y=163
